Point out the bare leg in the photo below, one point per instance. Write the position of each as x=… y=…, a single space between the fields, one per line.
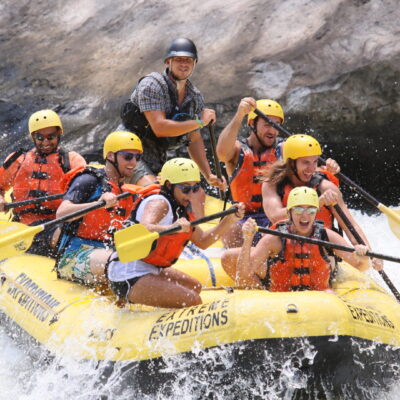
x=98 y=260
x=182 y=278
x=162 y=291
x=229 y=261
x=233 y=237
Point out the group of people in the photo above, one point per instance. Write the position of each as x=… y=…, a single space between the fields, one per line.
x=273 y=183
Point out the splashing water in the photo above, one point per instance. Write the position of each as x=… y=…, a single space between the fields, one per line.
x=37 y=377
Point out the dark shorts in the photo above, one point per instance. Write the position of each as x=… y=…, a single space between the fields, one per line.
x=261 y=220
x=121 y=289
x=41 y=243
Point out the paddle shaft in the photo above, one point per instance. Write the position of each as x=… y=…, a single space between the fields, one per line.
x=200 y=221
x=360 y=240
x=215 y=156
x=38 y=200
x=324 y=243
x=84 y=211
x=341 y=176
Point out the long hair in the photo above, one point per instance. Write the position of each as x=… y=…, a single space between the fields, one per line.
x=276 y=172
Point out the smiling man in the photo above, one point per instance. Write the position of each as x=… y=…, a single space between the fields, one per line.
x=244 y=158
x=167 y=112
x=38 y=173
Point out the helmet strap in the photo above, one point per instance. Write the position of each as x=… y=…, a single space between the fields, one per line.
x=115 y=164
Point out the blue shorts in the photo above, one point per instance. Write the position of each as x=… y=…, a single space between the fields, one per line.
x=261 y=220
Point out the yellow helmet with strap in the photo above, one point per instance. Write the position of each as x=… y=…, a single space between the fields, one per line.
x=178 y=170
x=268 y=107
x=44 y=119
x=297 y=146
x=302 y=196
x=121 y=140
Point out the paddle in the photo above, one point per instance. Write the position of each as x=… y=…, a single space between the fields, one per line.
x=215 y=157
x=393 y=215
x=38 y=200
x=324 y=243
x=16 y=238
x=135 y=242
x=360 y=240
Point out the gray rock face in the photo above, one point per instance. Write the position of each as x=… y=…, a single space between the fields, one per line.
x=333 y=65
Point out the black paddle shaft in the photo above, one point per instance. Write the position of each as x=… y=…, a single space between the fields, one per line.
x=341 y=176
x=38 y=200
x=323 y=243
x=84 y=211
x=201 y=220
x=215 y=156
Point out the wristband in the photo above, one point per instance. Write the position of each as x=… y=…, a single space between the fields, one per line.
x=200 y=123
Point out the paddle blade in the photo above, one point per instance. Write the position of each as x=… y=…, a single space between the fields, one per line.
x=393 y=218
x=16 y=238
x=134 y=243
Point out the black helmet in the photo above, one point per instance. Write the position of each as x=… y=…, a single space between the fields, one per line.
x=181 y=47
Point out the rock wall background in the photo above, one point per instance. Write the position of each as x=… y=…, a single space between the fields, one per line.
x=334 y=66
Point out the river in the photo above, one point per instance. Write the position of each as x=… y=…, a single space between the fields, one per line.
x=24 y=377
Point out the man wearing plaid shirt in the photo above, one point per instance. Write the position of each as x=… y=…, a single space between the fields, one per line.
x=167 y=112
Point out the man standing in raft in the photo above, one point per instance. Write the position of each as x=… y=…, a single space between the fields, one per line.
x=279 y=264
x=84 y=243
x=167 y=112
x=152 y=281
x=243 y=160
x=38 y=173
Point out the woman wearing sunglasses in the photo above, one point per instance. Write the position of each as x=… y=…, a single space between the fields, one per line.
x=279 y=264
x=39 y=173
x=151 y=281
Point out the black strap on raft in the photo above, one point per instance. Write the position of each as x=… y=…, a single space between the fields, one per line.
x=13 y=158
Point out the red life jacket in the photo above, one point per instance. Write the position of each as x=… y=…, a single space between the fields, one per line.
x=244 y=182
x=324 y=214
x=169 y=247
x=299 y=266
x=38 y=176
x=101 y=223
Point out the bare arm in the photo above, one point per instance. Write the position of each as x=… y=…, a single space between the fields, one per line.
x=359 y=262
x=204 y=239
x=153 y=213
x=272 y=203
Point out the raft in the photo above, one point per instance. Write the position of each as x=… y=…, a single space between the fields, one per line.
x=342 y=343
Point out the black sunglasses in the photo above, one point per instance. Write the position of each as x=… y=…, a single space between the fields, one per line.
x=50 y=136
x=186 y=189
x=128 y=156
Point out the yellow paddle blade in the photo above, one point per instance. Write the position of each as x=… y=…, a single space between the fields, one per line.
x=393 y=218
x=134 y=243
x=16 y=238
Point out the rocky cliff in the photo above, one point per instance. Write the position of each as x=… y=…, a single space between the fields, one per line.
x=333 y=64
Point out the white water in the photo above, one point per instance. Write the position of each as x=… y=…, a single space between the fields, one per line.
x=23 y=378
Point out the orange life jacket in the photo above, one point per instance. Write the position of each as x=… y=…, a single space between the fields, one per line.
x=38 y=176
x=169 y=247
x=299 y=266
x=324 y=214
x=101 y=223
x=245 y=183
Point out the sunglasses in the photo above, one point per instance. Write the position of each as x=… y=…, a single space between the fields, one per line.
x=128 y=156
x=50 y=136
x=300 y=210
x=186 y=189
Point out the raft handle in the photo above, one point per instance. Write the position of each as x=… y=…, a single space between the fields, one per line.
x=292 y=309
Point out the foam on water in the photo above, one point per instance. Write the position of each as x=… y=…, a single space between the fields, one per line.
x=27 y=378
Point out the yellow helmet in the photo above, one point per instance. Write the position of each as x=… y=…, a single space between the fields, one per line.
x=268 y=107
x=121 y=140
x=300 y=146
x=44 y=119
x=302 y=196
x=179 y=170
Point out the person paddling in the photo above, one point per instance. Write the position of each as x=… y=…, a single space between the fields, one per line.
x=83 y=244
x=38 y=173
x=151 y=280
x=279 y=264
x=243 y=159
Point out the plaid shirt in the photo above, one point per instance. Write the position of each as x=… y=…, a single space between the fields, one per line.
x=152 y=94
